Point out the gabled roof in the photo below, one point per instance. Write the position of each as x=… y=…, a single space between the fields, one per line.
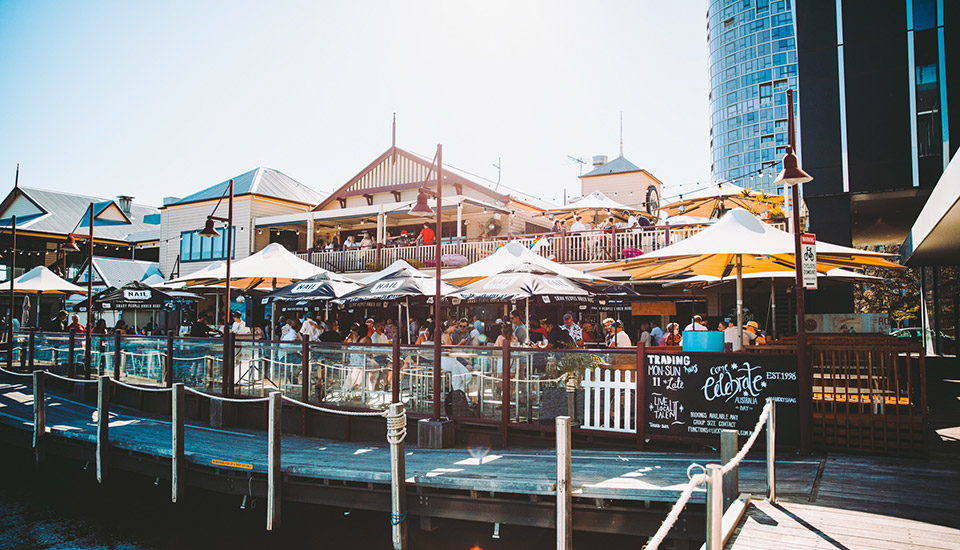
x=265 y=182
x=59 y=213
x=398 y=169
x=618 y=165
x=118 y=271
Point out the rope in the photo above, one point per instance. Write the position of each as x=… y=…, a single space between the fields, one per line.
x=141 y=388
x=397 y=519
x=74 y=380
x=671 y=519
x=753 y=437
x=218 y=398
x=10 y=372
x=337 y=411
x=397 y=429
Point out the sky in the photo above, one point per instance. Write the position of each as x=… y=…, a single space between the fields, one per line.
x=164 y=98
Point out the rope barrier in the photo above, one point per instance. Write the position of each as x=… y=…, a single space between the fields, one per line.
x=227 y=399
x=746 y=446
x=671 y=519
x=12 y=373
x=74 y=380
x=141 y=388
x=338 y=411
x=397 y=428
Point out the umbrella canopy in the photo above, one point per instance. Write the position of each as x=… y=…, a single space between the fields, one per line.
x=405 y=283
x=41 y=279
x=739 y=234
x=509 y=256
x=271 y=268
x=839 y=275
x=324 y=286
x=134 y=295
x=715 y=200
x=595 y=201
x=392 y=268
x=525 y=281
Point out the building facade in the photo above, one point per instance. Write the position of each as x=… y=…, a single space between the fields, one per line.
x=624 y=182
x=752 y=63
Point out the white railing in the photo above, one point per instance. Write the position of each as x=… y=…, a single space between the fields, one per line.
x=594 y=246
x=610 y=402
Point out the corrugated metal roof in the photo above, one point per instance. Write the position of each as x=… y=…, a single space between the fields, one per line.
x=118 y=271
x=65 y=210
x=260 y=181
x=615 y=166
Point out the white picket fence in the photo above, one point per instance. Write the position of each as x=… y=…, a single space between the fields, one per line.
x=610 y=402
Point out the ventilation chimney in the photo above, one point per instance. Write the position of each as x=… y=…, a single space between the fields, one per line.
x=124 y=201
x=599 y=160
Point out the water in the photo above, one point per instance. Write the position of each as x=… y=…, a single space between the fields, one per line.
x=59 y=505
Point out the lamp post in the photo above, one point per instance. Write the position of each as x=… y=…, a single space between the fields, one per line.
x=13 y=265
x=88 y=335
x=210 y=231
x=421 y=208
x=794 y=176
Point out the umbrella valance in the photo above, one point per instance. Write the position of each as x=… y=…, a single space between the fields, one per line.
x=324 y=286
x=41 y=279
x=507 y=257
x=405 y=283
x=838 y=275
x=133 y=295
x=525 y=281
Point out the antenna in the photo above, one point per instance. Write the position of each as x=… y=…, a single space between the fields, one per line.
x=581 y=161
x=16 y=179
x=393 y=145
x=497 y=166
x=621 y=133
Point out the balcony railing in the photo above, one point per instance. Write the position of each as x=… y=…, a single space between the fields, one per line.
x=596 y=246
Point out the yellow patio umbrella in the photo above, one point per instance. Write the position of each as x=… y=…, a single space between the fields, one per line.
x=715 y=200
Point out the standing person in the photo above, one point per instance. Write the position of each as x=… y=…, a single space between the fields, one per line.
x=332 y=334
x=310 y=330
x=578 y=224
x=120 y=327
x=426 y=236
x=370 y=327
x=413 y=329
x=288 y=332
x=478 y=324
x=379 y=334
x=391 y=329
x=656 y=333
x=519 y=329
x=645 y=337
x=556 y=336
x=75 y=325
x=238 y=326
x=730 y=337
x=608 y=333
x=58 y=323
x=620 y=339
x=697 y=324
x=673 y=338
x=631 y=220
x=573 y=329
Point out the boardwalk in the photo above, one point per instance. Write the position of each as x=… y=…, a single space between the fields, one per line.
x=809 y=527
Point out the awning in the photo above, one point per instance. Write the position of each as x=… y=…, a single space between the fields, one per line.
x=933 y=239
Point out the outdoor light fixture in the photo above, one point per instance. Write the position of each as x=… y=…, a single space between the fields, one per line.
x=792 y=174
x=208 y=229
x=421 y=208
x=70 y=245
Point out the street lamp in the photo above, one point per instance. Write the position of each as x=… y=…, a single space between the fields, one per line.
x=210 y=231
x=794 y=176
x=421 y=208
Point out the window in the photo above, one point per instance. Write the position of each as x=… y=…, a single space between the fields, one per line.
x=766 y=93
x=194 y=248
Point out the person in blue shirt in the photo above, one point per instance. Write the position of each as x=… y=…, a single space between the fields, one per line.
x=656 y=333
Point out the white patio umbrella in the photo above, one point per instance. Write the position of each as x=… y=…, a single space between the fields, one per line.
x=740 y=243
x=508 y=256
x=595 y=202
x=269 y=269
x=37 y=281
x=397 y=265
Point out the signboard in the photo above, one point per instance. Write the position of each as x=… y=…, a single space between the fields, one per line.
x=696 y=395
x=878 y=323
x=137 y=294
x=653 y=308
x=808 y=260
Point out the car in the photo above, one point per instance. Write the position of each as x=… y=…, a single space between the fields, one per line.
x=948 y=344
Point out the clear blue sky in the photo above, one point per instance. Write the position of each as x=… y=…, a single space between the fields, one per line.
x=158 y=98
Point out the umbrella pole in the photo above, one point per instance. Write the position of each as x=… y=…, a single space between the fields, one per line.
x=737 y=345
x=528 y=322
x=409 y=336
x=773 y=310
x=39 y=296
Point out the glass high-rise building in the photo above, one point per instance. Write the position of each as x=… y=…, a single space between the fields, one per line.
x=753 y=61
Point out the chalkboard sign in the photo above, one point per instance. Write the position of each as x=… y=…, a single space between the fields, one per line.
x=695 y=395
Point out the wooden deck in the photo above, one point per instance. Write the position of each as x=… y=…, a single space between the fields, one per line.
x=810 y=527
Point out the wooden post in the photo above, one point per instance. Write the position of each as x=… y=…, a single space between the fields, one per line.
x=117 y=355
x=31 y=348
x=564 y=494
x=24 y=351
x=71 y=349
x=398 y=487
x=304 y=383
x=39 y=415
x=641 y=380
x=168 y=362
x=505 y=394
x=178 y=479
x=714 y=507
x=731 y=480
x=103 y=425
x=395 y=376
x=273 y=461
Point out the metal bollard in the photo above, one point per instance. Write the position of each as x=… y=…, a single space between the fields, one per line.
x=714 y=507
x=396 y=433
x=178 y=458
x=771 y=448
x=273 y=460
x=731 y=480
x=564 y=478
x=39 y=415
x=103 y=426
